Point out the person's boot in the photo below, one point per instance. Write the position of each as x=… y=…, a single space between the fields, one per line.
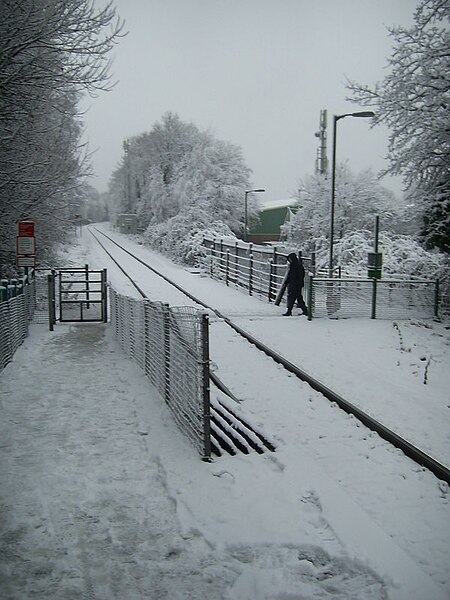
x=286 y=314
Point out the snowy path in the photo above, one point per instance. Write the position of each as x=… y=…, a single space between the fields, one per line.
x=85 y=509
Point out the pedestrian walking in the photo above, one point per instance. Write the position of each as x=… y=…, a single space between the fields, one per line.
x=293 y=282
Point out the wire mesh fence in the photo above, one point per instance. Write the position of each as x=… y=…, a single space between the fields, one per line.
x=17 y=304
x=171 y=346
x=385 y=299
x=260 y=271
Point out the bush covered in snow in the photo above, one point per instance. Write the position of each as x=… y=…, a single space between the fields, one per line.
x=181 y=237
x=402 y=255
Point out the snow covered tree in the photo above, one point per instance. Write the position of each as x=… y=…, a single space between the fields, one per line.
x=181 y=237
x=214 y=176
x=358 y=199
x=178 y=173
x=143 y=181
x=413 y=100
x=50 y=52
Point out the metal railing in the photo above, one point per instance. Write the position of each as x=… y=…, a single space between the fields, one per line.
x=260 y=271
x=171 y=346
x=17 y=302
x=257 y=269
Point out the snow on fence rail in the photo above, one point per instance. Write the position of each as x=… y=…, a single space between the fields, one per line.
x=171 y=346
x=17 y=302
x=260 y=270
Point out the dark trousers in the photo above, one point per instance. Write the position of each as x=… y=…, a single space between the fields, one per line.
x=296 y=295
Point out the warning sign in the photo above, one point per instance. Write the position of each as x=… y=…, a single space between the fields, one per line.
x=26 y=244
x=26 y=261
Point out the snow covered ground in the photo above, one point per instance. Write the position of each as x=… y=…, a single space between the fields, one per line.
x=102 y=497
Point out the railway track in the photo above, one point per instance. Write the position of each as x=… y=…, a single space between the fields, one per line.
x=246 y=438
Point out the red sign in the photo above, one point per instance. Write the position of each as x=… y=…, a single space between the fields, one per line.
x=25 y=229
x=26 y=244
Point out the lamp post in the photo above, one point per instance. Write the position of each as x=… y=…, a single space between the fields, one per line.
x=246 y=212
x=362 y=114
x=126 y=149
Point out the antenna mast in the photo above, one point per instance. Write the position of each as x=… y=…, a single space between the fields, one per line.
x=321 y=159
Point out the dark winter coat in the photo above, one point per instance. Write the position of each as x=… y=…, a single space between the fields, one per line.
x=296 y=274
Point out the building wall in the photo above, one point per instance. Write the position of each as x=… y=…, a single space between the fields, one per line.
x=268 y=228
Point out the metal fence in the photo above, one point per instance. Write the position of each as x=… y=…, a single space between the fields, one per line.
x=257 y=269
x=260 y=271
x=383 y=298
x=171 y=346
x=17 y=302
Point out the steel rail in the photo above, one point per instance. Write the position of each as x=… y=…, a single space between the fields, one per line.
x=417 y=455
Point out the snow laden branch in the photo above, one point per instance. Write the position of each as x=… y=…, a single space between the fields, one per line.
x=413 y=101
x=51 y=51
x=182 y=183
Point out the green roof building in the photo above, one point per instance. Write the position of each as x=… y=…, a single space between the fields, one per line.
x=272 y=216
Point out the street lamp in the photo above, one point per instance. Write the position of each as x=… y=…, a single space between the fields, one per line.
x=246 y=212
x=362 y=114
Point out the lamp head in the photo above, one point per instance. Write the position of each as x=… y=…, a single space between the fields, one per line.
x=364 y=113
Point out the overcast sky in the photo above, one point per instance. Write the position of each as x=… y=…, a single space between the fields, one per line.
x=254 y=72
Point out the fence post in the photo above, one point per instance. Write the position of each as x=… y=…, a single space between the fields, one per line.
x=436 y=299
x=86 y=274
x=220 y=262
x=211 y=258
x=12 y=288
x=271 y=273
x=374 y=298
x=104 y=285
x=51 y=301
x=310 y=297
x=250 y=274
x=313 y=263
x=227 y=267
x=3 y=293
x=205 y=389
x=274 y=255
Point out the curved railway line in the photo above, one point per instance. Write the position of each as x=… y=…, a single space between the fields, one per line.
x=249 y=436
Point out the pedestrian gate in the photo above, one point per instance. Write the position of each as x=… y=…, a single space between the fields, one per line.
x=77 y=295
